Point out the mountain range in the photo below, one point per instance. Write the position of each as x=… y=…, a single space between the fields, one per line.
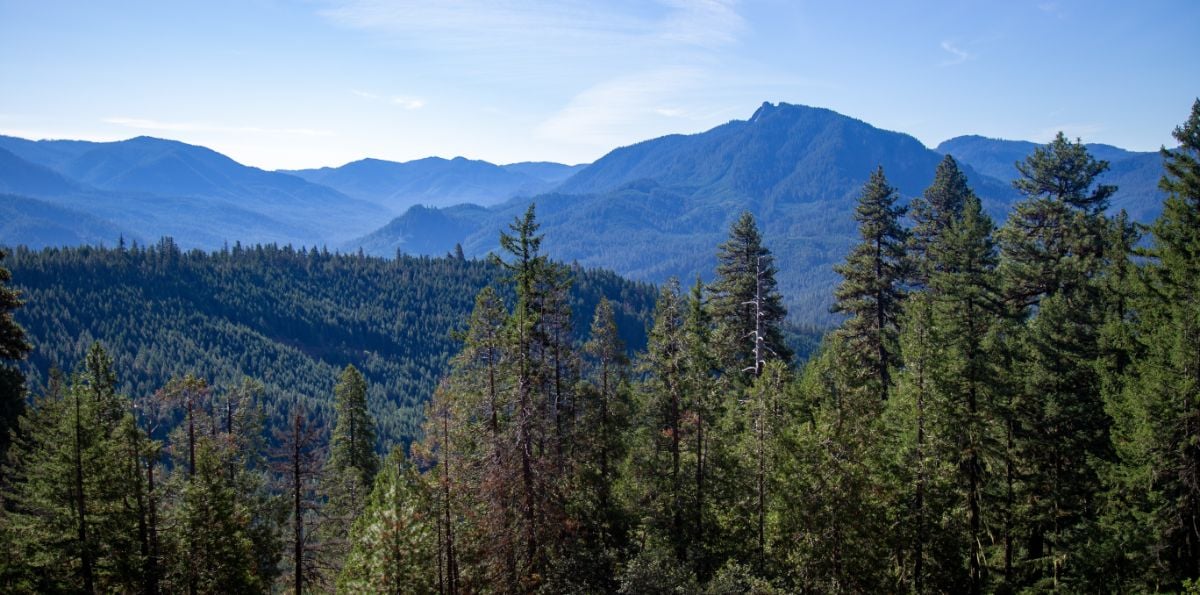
x=649 y=211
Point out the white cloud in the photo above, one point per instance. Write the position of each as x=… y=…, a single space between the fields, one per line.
x=620 y=110
x=157 y=125
x=408 y=103
x=568 y=26
x=959 y=55
x=405 y=102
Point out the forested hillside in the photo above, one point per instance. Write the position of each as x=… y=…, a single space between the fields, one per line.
x=1004 y=408
x=289 y=318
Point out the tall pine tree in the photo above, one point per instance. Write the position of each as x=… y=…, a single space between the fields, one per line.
x=872 y=287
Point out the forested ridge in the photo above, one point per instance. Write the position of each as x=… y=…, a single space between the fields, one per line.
x=289 y=318
x=1003 y=409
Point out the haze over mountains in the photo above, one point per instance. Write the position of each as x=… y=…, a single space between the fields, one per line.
x=649 y=211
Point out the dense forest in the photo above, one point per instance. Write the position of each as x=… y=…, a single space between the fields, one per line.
x=292 y=319
x=1010 y=408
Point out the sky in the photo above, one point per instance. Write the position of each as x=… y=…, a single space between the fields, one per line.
x=307 y=83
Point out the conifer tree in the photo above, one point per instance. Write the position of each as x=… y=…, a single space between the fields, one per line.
x=655 y=468
x=1052 y=250
x=833 y=512
x=350 y=468
x=1155 y=484
x=745 y=303
x=392 y=543
x=934 y=212
x=13 y=348
x=298 y=465
x=871 y=291
x=70 y=522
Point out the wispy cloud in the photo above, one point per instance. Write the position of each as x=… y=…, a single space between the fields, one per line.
x=158 y=125
x=408 y=103
x=618 y=110
x=403 y=101
x=543 y=25
x=958 y=55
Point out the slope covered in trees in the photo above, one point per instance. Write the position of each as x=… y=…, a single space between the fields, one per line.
x=1005 y=409
x=288 y=318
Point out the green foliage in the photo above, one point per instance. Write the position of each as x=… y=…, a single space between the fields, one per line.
x=393 y=541
x=872 y=284
x=13 y=348
x=292 y=318
x=69 y=524
x=350 y=468
x=745 y=303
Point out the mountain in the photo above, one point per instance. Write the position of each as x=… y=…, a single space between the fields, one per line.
x=436 y=182
x=546 y=171
x=659 y=208
x=19 y=176
x=423 y=230
x=1135 y=174
x=39 y=224
x=164 y=187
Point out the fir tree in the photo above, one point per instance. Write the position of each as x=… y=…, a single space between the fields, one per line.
x=350 y=468
x=872 y=287
x=934 y=212
x=13 y=348
x=1052 y=250
x=70 y=521
x=1155 y=485
x=392 y=543
x=745 y=303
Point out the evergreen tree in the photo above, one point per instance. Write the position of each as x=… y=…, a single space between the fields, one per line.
x=350 y=468
x=658 y=485
x=947 y=414
x=70 y=524
x=392 y=543
x=1155 y=486
x=13 y=348
x=872 y=287
x=596 y=545
x=1053 y=249
x=745 y=303
x=833 y=513
x=934 y=212
x=298 y=465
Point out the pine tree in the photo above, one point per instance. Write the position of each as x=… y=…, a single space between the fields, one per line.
x=392 y=543
x=871 y=291
x=1155 y=484
x=13 y=348
x=745 y=303
x=934 y=212
x=70 y=519
x=1052 y=249
x=350 y=468
x=657 y=491
x=298 y=464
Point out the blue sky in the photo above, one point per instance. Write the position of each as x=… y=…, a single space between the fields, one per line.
x=280 y=84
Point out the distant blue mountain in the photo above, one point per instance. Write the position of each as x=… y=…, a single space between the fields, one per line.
x=18 y=176
x=659 y=208
x=1135 y=174
x=201 y=197
x=39 y=224
x=438 y=182
x=546 y=171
